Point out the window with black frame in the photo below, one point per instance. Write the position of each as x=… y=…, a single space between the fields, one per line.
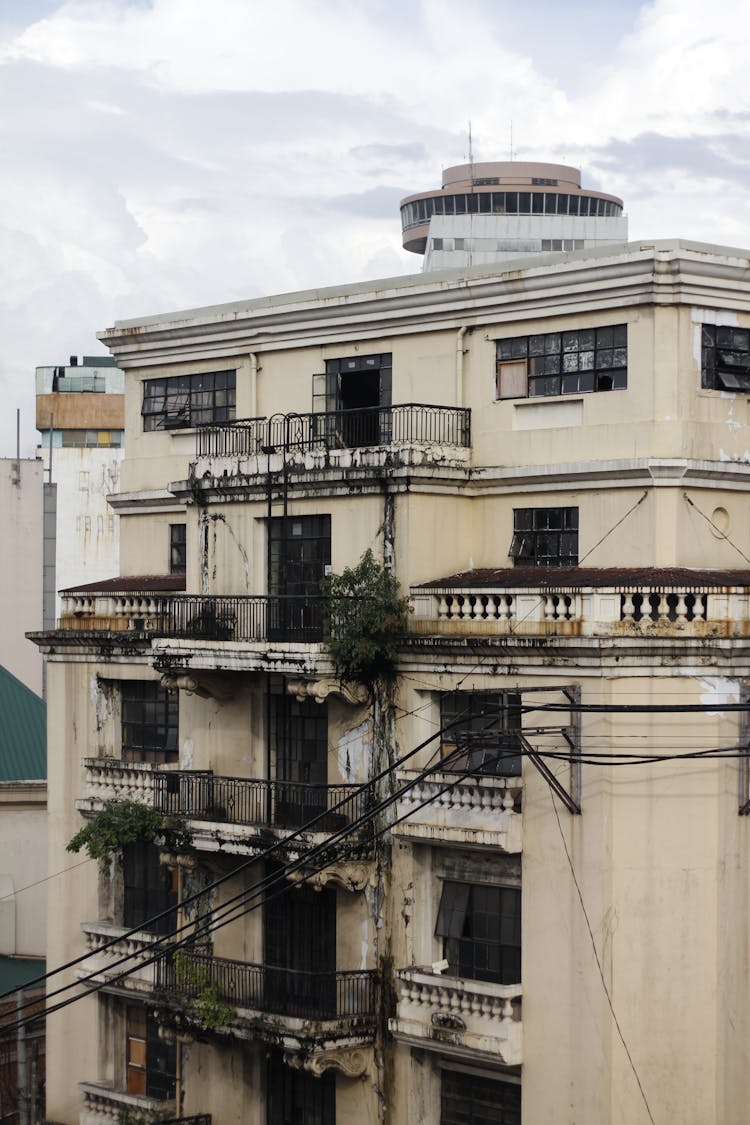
x=149 y=889
x=578 y=361
x=725 y=358
x=544 y=537
x=472 y=1099
x=480 y=732
x=149 y=722
x=296 y=1097
x=177 y=548
x=150 y=1060
x=480 y=925
x=181 y=401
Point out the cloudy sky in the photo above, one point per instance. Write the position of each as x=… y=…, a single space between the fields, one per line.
x=161 y=154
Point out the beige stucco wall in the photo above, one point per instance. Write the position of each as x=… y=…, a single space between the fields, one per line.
x=21 y=505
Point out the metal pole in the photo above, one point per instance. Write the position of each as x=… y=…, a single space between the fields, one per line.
x=23 y=1096
x=49 y=470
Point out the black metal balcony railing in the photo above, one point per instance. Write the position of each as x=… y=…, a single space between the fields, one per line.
x=338 y=429
x=238 y=800
x=243 y=617
x=347 y=995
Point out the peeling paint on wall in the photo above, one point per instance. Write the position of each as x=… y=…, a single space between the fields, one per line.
x=186 y=754
x=354 y=753
x=718 y=691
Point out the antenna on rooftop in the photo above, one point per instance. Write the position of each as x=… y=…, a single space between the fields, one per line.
x=471 y=157
x=511 y=138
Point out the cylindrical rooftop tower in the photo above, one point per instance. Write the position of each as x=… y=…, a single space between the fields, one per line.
x=491 y=211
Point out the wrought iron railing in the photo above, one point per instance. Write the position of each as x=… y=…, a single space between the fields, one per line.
x=239 y=800
x=404 y=424
x=242 y=617
x=347 y=995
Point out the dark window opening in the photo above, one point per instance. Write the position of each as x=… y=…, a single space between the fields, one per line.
x=149 y=889
x=150 y=1061
x=355 y=398
x=300 y=555
x=483 y=727
x=149 y=722
x=188 y=400
x=299 y=733
x=725 y=358
x=300 y=951
x=177 y=548
x=545 y=537
x=470 y=1099
x=481 y=930
x=295 y=1097
x=581 y=361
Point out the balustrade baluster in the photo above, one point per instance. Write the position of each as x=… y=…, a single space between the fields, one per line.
x=627 y=612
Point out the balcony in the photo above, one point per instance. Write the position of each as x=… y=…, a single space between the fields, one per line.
x=103 y=1105
x=106 y=965
x=470 y=811
x=303 y=1006
x=584 y=602
x=229 y=814
x=195 y=617
x=469 y=1019
x=405 y=434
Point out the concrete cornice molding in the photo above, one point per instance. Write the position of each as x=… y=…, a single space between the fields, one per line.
x=626 y=275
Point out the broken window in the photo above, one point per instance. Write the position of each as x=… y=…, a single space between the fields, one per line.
x=150 y=1061
x=354 y=399
x=480 y=925
x=544 y=537
x=149 y=722
x=298 y=1097
x=177 y=548
x=562 y=363
x=480 y=731
x=188 y=400
x=725 y=355
x=149 y=889
x=470 y=1099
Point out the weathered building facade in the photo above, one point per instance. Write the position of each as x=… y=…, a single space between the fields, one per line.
x=549 y=922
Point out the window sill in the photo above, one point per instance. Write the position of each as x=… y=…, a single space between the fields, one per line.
x=537 y=399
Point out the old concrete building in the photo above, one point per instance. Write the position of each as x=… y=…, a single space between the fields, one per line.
x=554 y=928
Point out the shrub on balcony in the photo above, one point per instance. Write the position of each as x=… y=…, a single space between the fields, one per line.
x=118 y=823
x=205 y=1008
x=365 y=617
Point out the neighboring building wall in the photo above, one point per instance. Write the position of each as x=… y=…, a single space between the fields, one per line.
x=21 y=560
x=23 y=867
x=84 y=402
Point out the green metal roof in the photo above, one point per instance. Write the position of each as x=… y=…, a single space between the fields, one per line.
x=23 y=727
x=15 y=972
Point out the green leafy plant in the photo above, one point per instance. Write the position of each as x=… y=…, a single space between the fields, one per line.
x=118 y=823
x=365 y=617
x=206 y=1008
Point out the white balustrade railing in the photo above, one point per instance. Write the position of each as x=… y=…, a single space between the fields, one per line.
x=103 y=1105
x=467 y=1015
x=119 y=611
x=111 y=779
x=476 y=811
x=588 y=611
x=124 y=962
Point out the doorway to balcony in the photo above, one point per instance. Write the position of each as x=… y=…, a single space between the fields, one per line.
x=354 y=396
x=299 y=556
x=300 y=952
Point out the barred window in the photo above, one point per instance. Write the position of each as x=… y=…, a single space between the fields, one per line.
x=481 y=929
x=188 y=400
x=149 y=722
x=725 y=358
x=562 y=363
x=470 y=1099
x=544 y=537
x=479 y=731
x=177 y=548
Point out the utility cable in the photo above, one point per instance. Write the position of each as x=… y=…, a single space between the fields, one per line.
x=714 y=528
